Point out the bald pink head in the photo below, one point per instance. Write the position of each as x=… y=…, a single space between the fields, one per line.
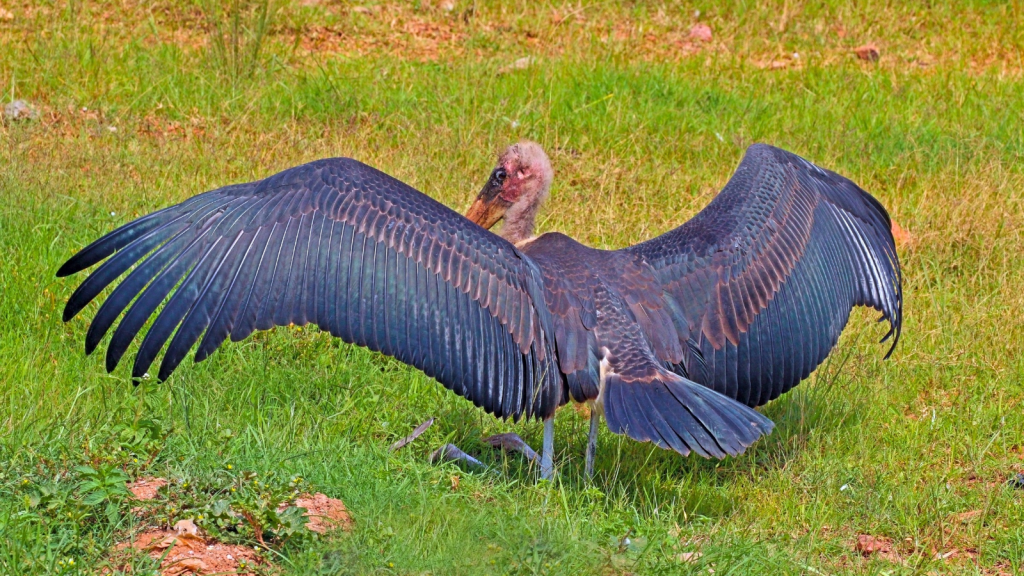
x=518 y=186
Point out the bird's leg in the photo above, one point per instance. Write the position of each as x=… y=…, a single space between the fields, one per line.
x=547 y=468
x=588 y=469
x=512 y=442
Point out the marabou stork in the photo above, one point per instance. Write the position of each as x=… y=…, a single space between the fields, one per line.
x=673 y=340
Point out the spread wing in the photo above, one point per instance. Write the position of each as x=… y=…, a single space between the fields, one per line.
x=341 y=245
x=763 y=279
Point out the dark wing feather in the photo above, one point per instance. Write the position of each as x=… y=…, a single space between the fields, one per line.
x=763 y=279
x=342 y=245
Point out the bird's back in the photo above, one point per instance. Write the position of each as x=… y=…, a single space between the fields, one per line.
x=595 y=296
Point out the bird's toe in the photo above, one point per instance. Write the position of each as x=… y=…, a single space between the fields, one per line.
x=511 y=442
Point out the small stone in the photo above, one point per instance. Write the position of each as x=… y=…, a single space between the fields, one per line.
x=867 y=52
x=192 y=564
x=868 y=545
x=186 y=528
x=1017 y=481
x=20 y=110
x=701 y=31
x=519 y=64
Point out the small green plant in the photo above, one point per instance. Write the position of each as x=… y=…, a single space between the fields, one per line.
x=260 y=508
x=103 y=486
x=63 y=517
x=56 y=500
x=236 y=507
x=144 y=437
x=132 y=445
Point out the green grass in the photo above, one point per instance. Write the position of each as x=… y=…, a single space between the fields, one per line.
x=643 y=130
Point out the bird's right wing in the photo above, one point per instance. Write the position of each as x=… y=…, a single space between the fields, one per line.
x=342 y=245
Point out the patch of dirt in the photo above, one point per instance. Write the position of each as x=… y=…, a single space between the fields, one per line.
x=189 y=552
x=146 y=488
x=324 y=513
x=956 y=553
x=976 y=481
x=880 y=546
x=775 y=64
x=407 y=34
x=966 y=517
x=1002 y=568
x=153 y=125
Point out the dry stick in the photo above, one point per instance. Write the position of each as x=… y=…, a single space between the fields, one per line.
x=415 y=434
x=257 y=528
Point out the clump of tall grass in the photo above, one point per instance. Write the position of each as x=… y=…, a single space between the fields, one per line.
x=237 y=31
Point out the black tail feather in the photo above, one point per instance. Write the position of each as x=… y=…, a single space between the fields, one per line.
x=681 y=415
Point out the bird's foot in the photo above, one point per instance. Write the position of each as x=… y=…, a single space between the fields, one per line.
x=452 y=453
x=511 y=442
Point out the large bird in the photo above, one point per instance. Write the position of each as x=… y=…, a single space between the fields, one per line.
x=673 y=340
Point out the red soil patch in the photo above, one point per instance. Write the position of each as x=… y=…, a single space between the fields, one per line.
x=1002 y=568
x=877 y=545
x=324 y=513
x=188 y=552
x=146 y=488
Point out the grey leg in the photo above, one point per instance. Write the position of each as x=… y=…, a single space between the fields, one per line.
x=452 y=453
x=547 y=467
x=588 y=470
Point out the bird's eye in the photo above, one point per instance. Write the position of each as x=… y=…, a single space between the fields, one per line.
x=500 y=175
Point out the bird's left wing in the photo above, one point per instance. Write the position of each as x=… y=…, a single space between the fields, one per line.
x=762 y=280
x=342 y=245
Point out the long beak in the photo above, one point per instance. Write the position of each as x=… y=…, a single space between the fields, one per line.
x=486 y=213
